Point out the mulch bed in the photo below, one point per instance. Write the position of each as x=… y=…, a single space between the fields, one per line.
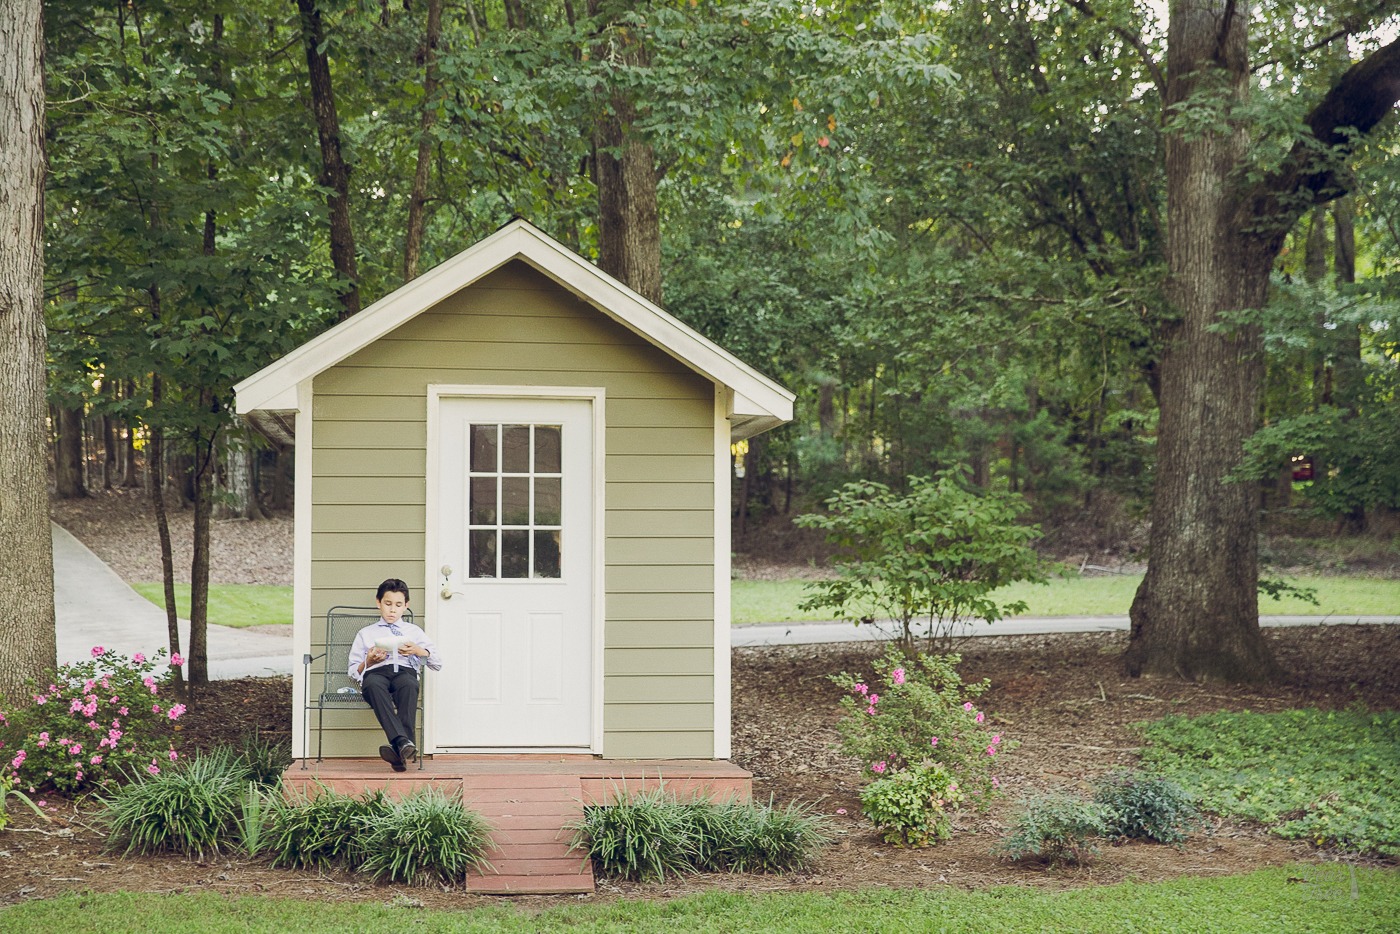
x=1063 y=698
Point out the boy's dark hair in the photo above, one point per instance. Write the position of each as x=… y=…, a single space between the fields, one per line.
x=392 y=585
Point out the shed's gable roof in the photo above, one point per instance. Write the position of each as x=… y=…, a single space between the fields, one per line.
x=758 y=402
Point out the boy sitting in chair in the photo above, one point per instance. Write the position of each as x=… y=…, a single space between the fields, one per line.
x=386 y=659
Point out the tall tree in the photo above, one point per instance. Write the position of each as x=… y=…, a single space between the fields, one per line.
x=1196 y=614
x=26 y=546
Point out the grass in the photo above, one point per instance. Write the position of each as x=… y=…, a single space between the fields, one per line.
x=1328 y=777
x=1306 y=898
x=236 y=605
x=776 y=601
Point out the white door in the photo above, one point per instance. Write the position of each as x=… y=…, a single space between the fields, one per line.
x=514 y=617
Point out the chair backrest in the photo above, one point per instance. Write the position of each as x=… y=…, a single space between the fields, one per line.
x=343 y=623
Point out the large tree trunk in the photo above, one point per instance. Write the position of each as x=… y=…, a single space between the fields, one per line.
x=1196 y=614
x=335 y=174
x=629 y=220
x=418 y=196
x=205 y=464
x=26 y=544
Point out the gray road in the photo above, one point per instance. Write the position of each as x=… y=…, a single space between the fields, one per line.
x=96 y=607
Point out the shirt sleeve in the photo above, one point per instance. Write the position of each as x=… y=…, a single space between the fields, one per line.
x=358 y=651
x=433 y=661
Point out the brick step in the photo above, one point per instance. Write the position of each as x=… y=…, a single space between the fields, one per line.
x=530 y=885
x=497 y=796
x=515 y=850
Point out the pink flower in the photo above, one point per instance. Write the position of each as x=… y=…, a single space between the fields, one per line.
x=40 y=699
x=996 y=738
x=155 y=708
x=175 y=711
x=138 y=658
x=174 y=755
x=838 y=810
x=996 y=782
x=878 y=768
x=176 y=661
x=97 y=651
x=933 y=742
x=18 y=760
x=153 y=768
x=979 y=716
x=991 y=750
x=861 y=689
x=96 y=760
x=122 y=711
x=874 y=699
x=870 y=710
x=42 y=802
x=897 y=676
x=968 y=706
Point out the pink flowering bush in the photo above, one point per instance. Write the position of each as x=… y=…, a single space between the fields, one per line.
x=91 y=724
x=916 y=715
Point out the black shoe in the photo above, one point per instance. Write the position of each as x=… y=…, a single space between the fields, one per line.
x=388 y=754
x=407 y=751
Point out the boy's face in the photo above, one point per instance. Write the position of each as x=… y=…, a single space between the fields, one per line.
x=392 y=606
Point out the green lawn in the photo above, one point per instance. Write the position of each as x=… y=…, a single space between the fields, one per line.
x=1304 y=898
x=776 y=601
x=235 y=605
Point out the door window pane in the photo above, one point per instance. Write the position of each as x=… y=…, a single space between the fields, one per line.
x=515 y=553
x=547 y=498
x=515 y=501
x=547 y=456
x=515 y=449
x=547 y=554
x=484 y=448
x=483 y=505
x=482 y=560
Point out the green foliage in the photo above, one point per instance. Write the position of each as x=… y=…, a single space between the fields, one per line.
x=8 y=791
x=1323 y=776
x=1146 y=807
x=937 y=552
x=193 y=808
x=92 y=723
x=913 y=806
x=1056 y=828
x=920 y=712
x=324 y=829
x=652 y=834
x=264 y=760
x=424 y=837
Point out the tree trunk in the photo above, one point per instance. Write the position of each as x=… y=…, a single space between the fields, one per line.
x=335 y=174
x=130 y=475
x=1196 y=613
x=1350 y=373
x=68 y=455
x=26 y=543
x=240 y=499
x=629 y=220
x=205 y=462
x=418 y=196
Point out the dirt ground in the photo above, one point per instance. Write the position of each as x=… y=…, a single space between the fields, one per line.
x=1062 y=698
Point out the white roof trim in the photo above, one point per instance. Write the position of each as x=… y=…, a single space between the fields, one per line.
x=758 y=400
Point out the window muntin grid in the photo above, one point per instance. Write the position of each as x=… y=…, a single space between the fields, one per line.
x=514 y=501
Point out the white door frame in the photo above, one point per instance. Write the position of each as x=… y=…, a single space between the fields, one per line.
x=432 y=585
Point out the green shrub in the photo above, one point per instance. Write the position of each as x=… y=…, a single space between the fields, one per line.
x=913 y=807
x=652 y=834
x=191 y=808
x=423 y=837
x=1057 y=828
x=1145 y=807
x=736 y=836
x=264 y=759
x=919 y=711
x=1328 y=777
x=643 y=837
x=322 y=830
x=91 y=724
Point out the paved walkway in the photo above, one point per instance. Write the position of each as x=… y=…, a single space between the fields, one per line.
x=96 y=607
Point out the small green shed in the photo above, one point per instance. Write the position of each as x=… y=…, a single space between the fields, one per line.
x=544 y=456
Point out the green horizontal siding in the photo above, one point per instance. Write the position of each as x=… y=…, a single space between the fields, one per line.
x=634 y=468
x=648 y=441
x=640 y=579
x=698 y=689
x=368 y=517
x=661 y=413
x=622 y=661
x=679 y=495
x=349 y=546
x=623 y=551
x=402 y=437
x=658 y=523
x=650 y=633
x=650 y=606
x=657 y=718
x=699 y=744
x=413 y=382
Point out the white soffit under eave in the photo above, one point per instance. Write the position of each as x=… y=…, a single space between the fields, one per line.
x=274 y=386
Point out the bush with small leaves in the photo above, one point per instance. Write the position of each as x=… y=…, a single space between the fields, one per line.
x=913 y=807
x=191 y=808
x=323 y=829
x=426 y=836
x=1056 y=828
x=1146 y=807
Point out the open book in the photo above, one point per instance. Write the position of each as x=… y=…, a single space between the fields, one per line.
x=392 y=644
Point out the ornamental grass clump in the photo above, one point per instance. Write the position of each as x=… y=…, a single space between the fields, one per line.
x=322 y=830
x=917 y=716
x=737 y=836
x=193 y=808
x=428 y=836
x=92 y=724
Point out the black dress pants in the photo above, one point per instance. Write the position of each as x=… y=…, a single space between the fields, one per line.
x=394 y=697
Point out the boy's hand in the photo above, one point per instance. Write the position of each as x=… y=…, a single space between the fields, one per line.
x=375 y=656
x=412 y=648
